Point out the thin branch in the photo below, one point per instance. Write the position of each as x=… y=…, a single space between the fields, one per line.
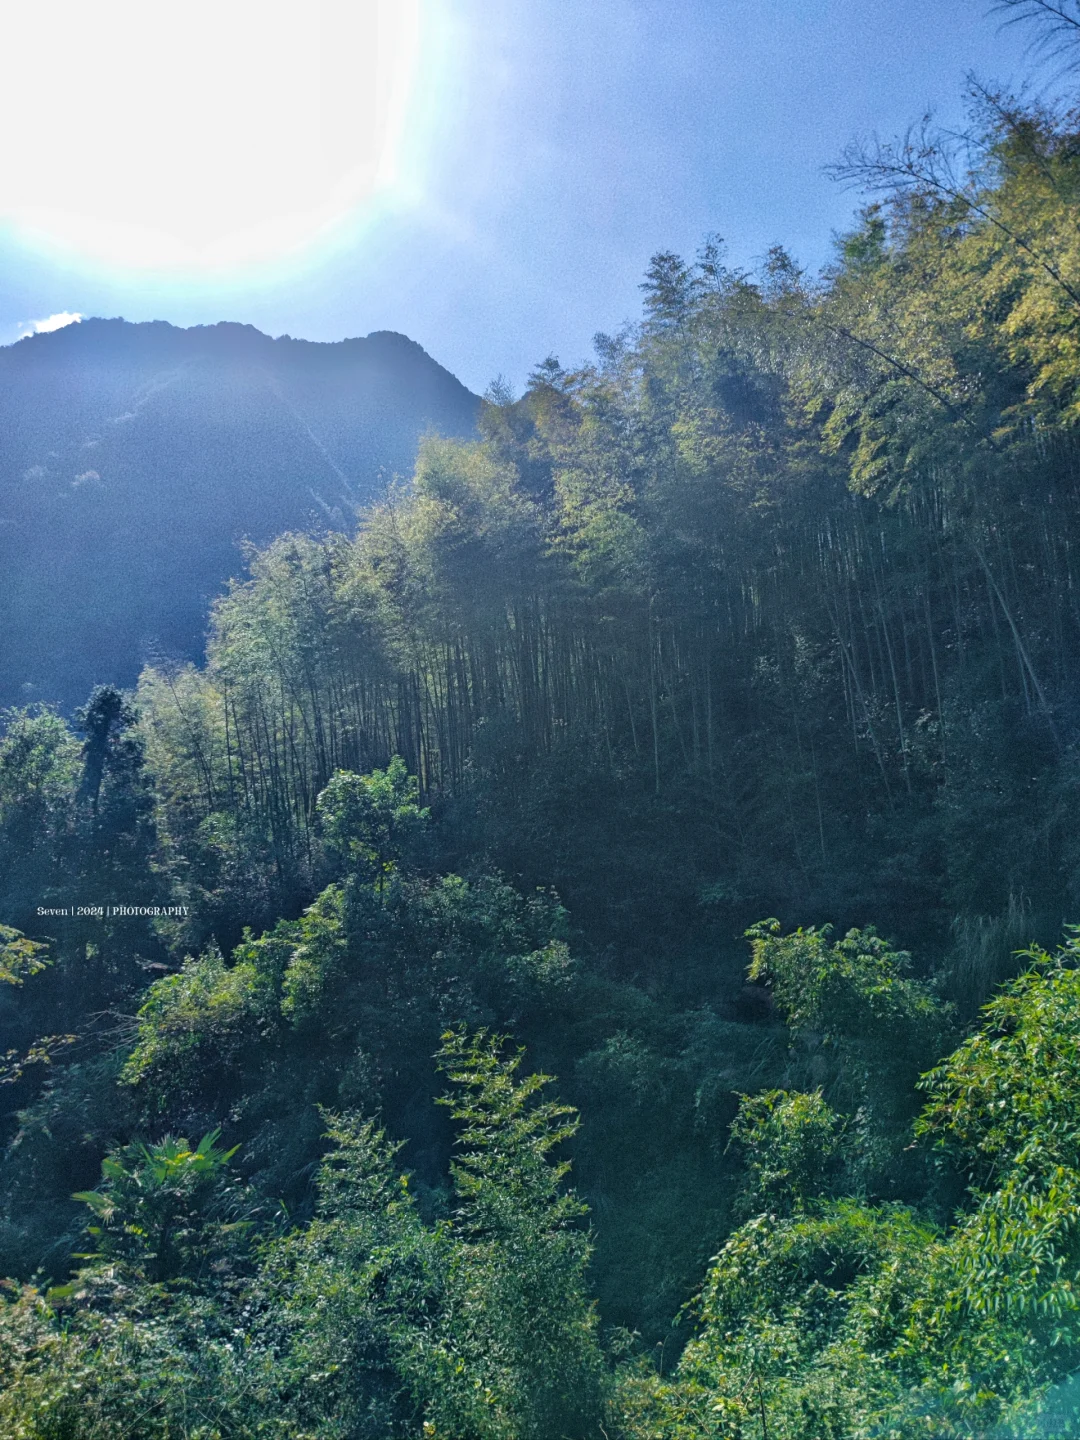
x=895 y=170
x=910 y=374
x=1012 y=117
x=1058 y=20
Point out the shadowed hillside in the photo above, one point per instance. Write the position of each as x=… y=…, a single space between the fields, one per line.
x=134 y=458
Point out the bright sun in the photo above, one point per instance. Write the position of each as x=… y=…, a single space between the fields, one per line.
x=201 y=134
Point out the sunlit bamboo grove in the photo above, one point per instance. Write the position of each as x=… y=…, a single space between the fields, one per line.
x=806 y=551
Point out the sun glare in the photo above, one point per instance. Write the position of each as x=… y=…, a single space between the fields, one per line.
x=207 y=134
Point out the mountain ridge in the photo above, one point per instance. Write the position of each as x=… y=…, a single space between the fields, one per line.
x=136 y=457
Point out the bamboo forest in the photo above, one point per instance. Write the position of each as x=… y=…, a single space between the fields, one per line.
x=594 y=951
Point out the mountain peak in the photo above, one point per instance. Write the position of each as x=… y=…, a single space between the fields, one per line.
x=136 y=456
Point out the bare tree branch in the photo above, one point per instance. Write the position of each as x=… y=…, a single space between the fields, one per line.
x=921 y=162
x=1058 y=23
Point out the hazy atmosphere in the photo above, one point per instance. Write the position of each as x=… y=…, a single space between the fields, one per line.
x=499 y=173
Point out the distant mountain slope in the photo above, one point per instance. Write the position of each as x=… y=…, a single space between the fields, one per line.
x=134 y=458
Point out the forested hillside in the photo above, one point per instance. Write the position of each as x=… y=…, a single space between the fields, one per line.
x=772 y=611
x=136 y=459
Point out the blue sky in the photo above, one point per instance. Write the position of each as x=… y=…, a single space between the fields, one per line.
x=548 y=148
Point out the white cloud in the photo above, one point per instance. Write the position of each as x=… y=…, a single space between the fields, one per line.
x=51 y=322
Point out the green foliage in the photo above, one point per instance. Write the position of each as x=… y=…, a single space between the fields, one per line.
x=793 y=1312
x=367 y=1321
x=792 y=1144
x=376 y=967
x=842 y=1318
x=39 y=769
x=519 y=1279
x=1008 y=1099
x=316 y=957
x=862 y=1027
x=19 y=957
x=113 y=1377
x=196 y=1019
x=1003 y=1107
x=370 y=821
x=857 y=986
x=163 y=1212
x=478 y=1325
x=345 y=1307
